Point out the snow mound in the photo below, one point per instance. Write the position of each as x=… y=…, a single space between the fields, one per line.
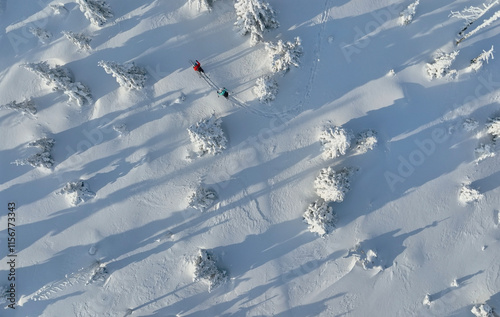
x=468 y=194
x=25 y=107
x=42 y=158
x=483 y=310
x=96 y=11
x=333 y=185
x=366 y=141
x=61 y=79
x=284 y=54
x=265 y=89
x=77 y=192
x=127 y=75
x=207 y=136
x=407 y=14
x=320 y=217
x=254 y=17
x=441 y=65
x=205 y=269
x=202 y=198
x=335 y=141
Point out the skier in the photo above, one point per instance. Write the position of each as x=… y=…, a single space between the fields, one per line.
x=223 y=92
x=197 y=67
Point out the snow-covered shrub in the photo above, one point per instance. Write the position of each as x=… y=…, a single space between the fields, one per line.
x=335 y=141
x=477 y=63
x=408 y=13
x=483 y=310
x=333 y=185
x=205 y=269
x=202 y=198
x=128 y=75
x=42 y=158
x=368 y=259
x=96 y=11
x=266 y=89
x=208 y=136
x=468 y=194
x=470 y=124
x=484 y=151
x=493 y=128
x=254 y=17
x=320 y=217
x=121 y=129
x=98 y=273
x=202 y=4
x=43 y=35
x=77 y=192
x=427 y=300
x=59 y=8
x=284 y=54
x=366 y=141
x=60 y=78
x=26 y=107
x=441 y=65
x=79 y=39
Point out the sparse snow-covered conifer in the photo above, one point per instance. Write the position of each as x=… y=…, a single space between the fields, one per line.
x=441 y=65
x=266 y=89
x=127 y=75
x=96 y=11
x=42 y=158
x=207 y=136
x=43 y=35
x=335 y=141
x=205 y=269
x=77 y=192
x=472 y=14
x=408 y=13
x=483 y=310
x=320 y=217
x=478 y=62
x=254 y=17
x=284 y=54
x=333 y=185
x=79 y=39
x=202 y=198
x=61 y=79
x=26 y=107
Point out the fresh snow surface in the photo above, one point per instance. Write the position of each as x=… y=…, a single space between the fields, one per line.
x=417 y=234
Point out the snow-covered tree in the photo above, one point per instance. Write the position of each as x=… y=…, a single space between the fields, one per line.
x=483 y=310
x=59 y=8
x=202 y=198
x=26 y=107
x=484 y=151
x=335 y=141
x=77 y=192
x=441 y=65
x=493 y=128
x=333 y=185
x=366 y=141
x=61 y=79
x=96 y=11
x=81 y=40
x=254 y=17
x=127 y=75
x=472 y=14
x=478 y=62
x=98 y=273
x=266 y=89
x=205 y=269
x=202 y=4
x=207 y=136
x=42 y=158
x=468 y=194
x=408 y=13
x=485 y=23
x=284 y=54
x=43 y=35
x=320 y=217
x=470 y=124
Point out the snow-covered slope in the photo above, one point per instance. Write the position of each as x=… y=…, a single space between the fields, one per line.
x=417 y=233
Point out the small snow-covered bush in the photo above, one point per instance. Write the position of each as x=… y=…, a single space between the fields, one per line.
x=202 y=198
x=333 y=185
x=266 y=89
x=26 y=107
x=42 y=158
x=483 y=310
x=79 y=39
x=202 y=4
x=477 y=63
x=493 y=128
x=335 y=141
x=77 y=192
x=320 y=217
x=98 y=273
x=470 y=124
x=366 y=141
x=284 y=54
x=205 y=269
x=59 y=8
x=96 y=11
x=441 y=65
x=254 y=17
x=61 y=79
x=208 y=136
x=484 y=151
x=43 y=35
x=427 y=300
x=127 y=75
x=408 y=13
x=468 y=194
x=368 y=259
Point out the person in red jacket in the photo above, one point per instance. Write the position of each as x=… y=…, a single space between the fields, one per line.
x=197 y=67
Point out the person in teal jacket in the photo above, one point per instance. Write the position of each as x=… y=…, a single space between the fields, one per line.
x=223 y=92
